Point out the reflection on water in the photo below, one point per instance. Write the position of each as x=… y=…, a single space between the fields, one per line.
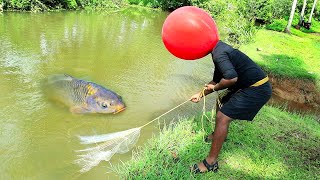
x=122 y=51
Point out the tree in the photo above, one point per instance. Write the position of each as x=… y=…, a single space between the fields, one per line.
x=302 y=13
x=1 y=6
x=293 y=8
x=314 y=5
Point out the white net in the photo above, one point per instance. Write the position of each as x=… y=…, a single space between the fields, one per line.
x=106 y=146
x=109 y=144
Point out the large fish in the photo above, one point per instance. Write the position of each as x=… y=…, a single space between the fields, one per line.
x=82 y=96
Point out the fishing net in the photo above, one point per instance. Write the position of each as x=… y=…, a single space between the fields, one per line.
x=105 y=146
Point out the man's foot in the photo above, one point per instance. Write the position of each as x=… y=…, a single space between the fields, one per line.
x=204 y=166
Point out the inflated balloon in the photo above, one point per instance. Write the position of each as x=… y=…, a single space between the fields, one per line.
x=189 y=33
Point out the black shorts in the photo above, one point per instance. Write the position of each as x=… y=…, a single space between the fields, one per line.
x=244 y=104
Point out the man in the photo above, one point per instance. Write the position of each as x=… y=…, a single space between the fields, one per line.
x=249 y=91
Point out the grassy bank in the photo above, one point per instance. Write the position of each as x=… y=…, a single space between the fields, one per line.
x=293 y=56
x=276 y=145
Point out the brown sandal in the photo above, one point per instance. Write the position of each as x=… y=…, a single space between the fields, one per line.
x=214 y=167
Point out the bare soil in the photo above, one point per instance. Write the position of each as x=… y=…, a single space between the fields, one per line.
x=300 y=95
x=316 y=33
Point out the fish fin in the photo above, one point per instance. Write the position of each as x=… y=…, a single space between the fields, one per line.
x=91 y=89
x=57 y=78
x=78 y=109
x=67 y=75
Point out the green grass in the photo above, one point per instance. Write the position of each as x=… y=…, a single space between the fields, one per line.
x=280 y=24
x=276 y=145
x=293 y=56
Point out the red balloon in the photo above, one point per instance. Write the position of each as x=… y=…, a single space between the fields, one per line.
x=189 y=33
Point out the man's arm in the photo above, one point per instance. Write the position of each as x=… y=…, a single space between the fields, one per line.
x=209 y=90
x=225 y=83
x=196 y=98
x=223 y=63
x=213 y=86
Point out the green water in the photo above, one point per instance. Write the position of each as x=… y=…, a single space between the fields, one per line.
x=122 y=51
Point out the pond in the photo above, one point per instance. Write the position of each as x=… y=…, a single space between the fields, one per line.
x=120 y=50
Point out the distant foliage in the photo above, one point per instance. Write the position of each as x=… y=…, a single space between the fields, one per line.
x=317 y=12
x=17 y=4
x=214 y=7
x=280 y=24
x=167 y=5
x=277 y=25
x=265 y=10
x=42 y=5
x=172 y=5
x=234 y=26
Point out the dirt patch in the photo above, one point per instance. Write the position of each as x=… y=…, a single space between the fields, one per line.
x=316 y=33
x=301 y=95
x=306 y=149
x=296 y=134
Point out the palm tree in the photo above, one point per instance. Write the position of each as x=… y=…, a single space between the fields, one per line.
x=293 y=8
x=1 y=6
x=302 y=13
x=314 y=5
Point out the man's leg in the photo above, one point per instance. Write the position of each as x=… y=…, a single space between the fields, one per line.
x=220 y=134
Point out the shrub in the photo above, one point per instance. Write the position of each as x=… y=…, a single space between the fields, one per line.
x=277 y=25
x=234 y=26
x=17 y=4
x=264 y=10
x=173 y=4
x=40 y=5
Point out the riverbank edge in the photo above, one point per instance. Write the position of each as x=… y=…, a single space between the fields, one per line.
x=303 y=92
x=86 y=8
x=277 y=144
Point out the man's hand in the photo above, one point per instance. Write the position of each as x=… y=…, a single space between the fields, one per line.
x=209 y=87
x=196 y=98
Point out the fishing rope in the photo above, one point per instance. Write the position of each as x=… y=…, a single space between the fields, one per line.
x=218 y=102
x=165 y=113
x=203 y=109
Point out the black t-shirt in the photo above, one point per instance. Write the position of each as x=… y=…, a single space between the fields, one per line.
x=230 y=63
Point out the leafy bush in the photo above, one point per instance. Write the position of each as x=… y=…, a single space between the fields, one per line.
x=317 y=12
x=146 y=3
x=134 y=2
x=280 y=24
x=234 y=26
x=214 y=7
x=265 y=10
x=71 y=4
x=98 y=4
x=17 y=4
x=166 y=5
x=40 y=5
x=173 y=4
x=277 y=25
